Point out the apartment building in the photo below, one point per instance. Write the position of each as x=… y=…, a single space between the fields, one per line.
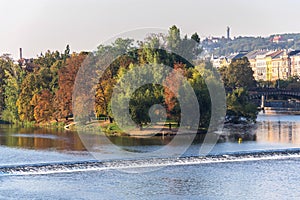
x=268 y=65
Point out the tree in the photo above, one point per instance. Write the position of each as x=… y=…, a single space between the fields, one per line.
x=66 y=53
x=43 y=106
x=103 y=94
x=66 y=79
x=173 y=38
x=6 y=65
x=25 y=109
x=140 y=100
x=48 y=59
x=238 y=74
x=187 y=49
x=239 y=107
x=13 y=81
x=2 y=84
x=196 y=37
x=171 y=92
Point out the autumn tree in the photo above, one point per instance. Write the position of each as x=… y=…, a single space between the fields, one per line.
x=124 y=55
x=171 y=91
x=43 y=106
x=66 y=79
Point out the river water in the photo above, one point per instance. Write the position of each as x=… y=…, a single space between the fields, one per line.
x=249 y=162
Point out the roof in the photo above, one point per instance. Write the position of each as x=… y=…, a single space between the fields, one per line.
x=253 y=54
x=292 y=53
x=276 y=54
x=237 y=55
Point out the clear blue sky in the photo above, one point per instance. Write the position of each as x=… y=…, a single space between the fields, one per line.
x=38 y=25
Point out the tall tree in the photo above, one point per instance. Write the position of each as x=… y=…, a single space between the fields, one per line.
x=28 y=88
x=173 y=38
x=13 y=81
x=67 y=75
x=6 y=64
x=171 y=91
x=2 y=84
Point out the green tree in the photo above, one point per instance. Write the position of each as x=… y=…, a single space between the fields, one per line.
x=196 y=37
x=173 y=38
x=239 y=107
x=13 y=81
x=2 y=84
x=141 y=100
x=28 y=88
x=48 y=59
x=238 y=74
x=66 y=53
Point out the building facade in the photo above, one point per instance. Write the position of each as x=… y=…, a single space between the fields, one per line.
x=267 y=65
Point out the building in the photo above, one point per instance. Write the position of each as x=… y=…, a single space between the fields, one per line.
x=26 y=64
x=219 y=62
x=224 y=61
x=261 y=67
x=295 y=63
x=270 y=65
x=277 y=39
x=253 y=64
x=267 y=65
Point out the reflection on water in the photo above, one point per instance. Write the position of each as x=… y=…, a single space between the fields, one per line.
x=279 y=132
x=283 y=129
x=40 y=138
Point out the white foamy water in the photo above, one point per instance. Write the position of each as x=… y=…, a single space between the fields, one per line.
x=72 y=167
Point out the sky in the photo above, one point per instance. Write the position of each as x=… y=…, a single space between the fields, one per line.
x=39 y=25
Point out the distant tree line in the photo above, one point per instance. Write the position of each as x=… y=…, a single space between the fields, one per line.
x=226 y=47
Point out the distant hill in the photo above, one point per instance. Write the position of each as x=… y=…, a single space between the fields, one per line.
x=223 y=46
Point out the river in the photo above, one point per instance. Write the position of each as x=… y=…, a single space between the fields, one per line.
x=249 y=162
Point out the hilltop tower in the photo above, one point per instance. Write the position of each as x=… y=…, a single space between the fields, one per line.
x=228 y=32
x=21 y=54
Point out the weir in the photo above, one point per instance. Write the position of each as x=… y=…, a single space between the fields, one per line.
x=72 y=167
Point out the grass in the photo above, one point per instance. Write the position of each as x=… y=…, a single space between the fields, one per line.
x=112 y=129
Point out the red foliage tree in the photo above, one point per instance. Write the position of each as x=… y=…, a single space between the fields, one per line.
x=171 y=89
x=43 y=106
x=66 y=79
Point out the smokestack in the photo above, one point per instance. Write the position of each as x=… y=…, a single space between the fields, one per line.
x=21 y=56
